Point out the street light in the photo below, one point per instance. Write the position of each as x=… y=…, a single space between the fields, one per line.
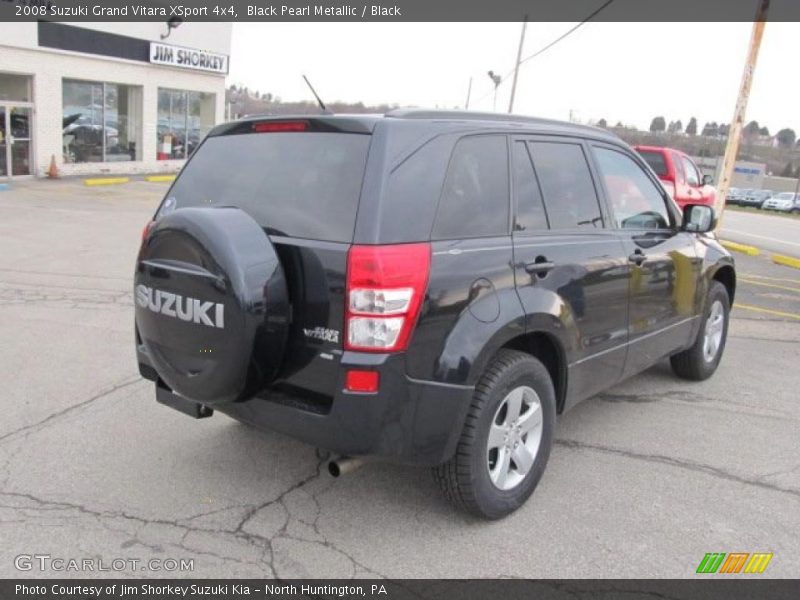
x=497 y=80
x=172 y=23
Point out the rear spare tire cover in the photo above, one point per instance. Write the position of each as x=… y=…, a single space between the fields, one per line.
x=211 y=304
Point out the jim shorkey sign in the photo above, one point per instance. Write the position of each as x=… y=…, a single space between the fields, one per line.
x=187 y=58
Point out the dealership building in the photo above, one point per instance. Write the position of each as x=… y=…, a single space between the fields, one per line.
x=108 y=97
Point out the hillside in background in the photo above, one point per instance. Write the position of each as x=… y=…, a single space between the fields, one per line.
x=242 y=101
x=757 y=145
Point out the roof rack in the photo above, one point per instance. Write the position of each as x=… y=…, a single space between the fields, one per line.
x=466 y=115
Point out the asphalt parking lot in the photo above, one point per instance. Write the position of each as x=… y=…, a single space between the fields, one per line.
x=643 y=481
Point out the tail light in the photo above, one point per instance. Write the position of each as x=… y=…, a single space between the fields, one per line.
x=147 y=229
x=385 y=288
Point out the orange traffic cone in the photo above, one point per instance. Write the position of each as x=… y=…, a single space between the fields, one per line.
x=52 y=172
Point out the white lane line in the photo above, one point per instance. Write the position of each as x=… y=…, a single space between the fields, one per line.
x=762 y=237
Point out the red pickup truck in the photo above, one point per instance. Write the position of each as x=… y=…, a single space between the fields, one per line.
x=679 y=175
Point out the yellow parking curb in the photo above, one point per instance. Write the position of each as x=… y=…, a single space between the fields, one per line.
x=749 y=250
x=787 y=261
x=106 y=180
x=159 y=178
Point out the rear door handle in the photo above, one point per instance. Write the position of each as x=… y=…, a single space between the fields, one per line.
x=539 y=268
x=638 y=257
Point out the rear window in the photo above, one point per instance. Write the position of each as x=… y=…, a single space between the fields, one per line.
x=303 y=185
x=656 y=161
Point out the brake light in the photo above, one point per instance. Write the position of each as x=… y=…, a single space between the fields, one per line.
x=146 y=230
x=385 y=288
x=279 y=126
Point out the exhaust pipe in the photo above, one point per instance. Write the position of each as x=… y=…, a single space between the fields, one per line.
x=345 y=464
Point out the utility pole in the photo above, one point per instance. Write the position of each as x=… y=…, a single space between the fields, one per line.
x=469 y=93
x=735 y=133
x=516 y=65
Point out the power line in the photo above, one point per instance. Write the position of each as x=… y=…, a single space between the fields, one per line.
x=558 y=39
x=555 y=41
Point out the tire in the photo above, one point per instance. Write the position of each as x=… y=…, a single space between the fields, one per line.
x=465 y=479
x=695 y=363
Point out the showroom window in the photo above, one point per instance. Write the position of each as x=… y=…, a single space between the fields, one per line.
x=15 y=88
x=101 y=122
x=184 y=118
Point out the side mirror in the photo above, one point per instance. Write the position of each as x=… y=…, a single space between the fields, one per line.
x=698 y=218
x=708 y=180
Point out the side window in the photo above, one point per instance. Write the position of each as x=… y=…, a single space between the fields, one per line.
x=692 y=176
x=531 y=215
x=636 y=200
x=680 y=173
x=474 y=201
x=569 y=195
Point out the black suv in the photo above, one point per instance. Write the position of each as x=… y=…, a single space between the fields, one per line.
x=434 y=287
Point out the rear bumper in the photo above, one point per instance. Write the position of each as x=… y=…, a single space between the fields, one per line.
x=408 y=420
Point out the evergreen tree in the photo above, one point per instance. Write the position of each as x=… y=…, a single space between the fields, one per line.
x=658 y=124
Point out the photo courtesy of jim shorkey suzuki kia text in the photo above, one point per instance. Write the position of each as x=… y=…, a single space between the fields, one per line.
x=236 y=590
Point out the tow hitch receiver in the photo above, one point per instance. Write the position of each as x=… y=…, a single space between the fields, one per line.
x=194 y=409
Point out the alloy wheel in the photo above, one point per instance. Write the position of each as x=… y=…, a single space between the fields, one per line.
x=514 y=438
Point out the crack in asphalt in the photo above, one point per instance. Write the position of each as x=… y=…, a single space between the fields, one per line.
x=30 y=428
x=763 y=339
x=103 y=516
x=239 y=531
x=63 y=296
x=694 y=398
x=678 y=463
x=37 y=287
x=762 y=319
x=284 y=533
x=77 y=275
x=322 y=539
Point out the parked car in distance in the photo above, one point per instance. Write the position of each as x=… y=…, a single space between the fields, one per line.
x=680 y=175
x=788 y=202
x=736 y=195
x=733 y=195
x=756 y=198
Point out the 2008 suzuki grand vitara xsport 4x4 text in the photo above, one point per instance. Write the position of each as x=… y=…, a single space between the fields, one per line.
x=433 y=287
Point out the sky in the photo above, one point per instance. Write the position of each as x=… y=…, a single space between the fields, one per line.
x=628 y=72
